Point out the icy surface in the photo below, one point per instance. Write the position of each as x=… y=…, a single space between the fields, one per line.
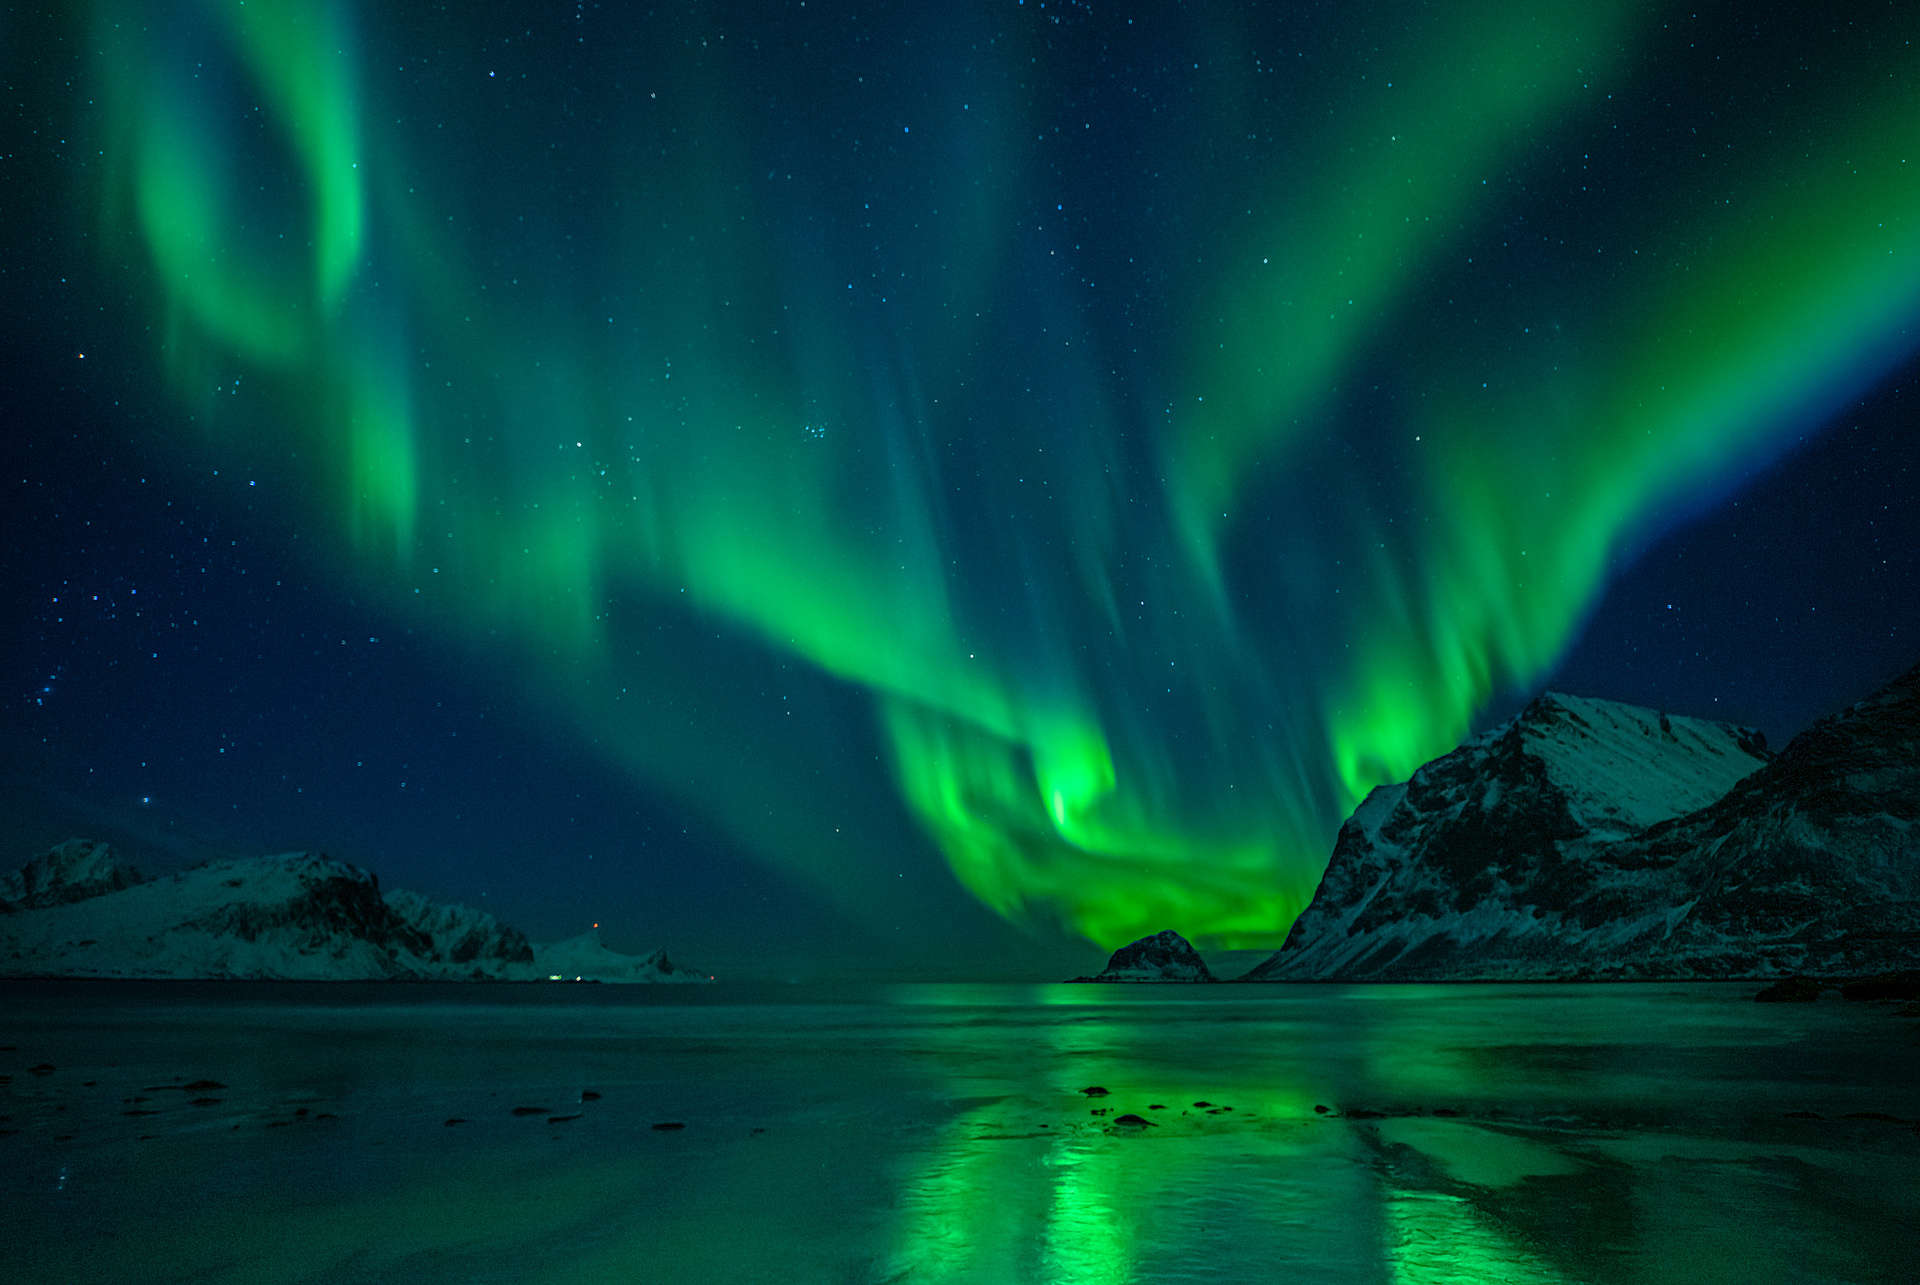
x=935 y=1135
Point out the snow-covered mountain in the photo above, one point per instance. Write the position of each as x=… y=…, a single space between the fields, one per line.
x=581 y=957
x=1164 y=957
x=71 y=871
x=80 y=911
x=1505 y=857
x=1590 y=839
x=1810 y=865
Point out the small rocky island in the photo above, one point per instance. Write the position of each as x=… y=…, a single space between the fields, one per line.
x=1164 y=957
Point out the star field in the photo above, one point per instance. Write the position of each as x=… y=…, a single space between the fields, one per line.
x=815 y=474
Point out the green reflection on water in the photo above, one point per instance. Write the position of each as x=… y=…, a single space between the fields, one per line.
x=1041 y=1184
x=1603 y=1134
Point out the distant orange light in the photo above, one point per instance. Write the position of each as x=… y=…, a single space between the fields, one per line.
x=596 y=924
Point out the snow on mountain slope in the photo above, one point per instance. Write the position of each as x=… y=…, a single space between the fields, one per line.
x=1541 y=851
x=1472 y=865
x=461 y=934
x=1623 y=768
x=1811 y=865
x=296 y=916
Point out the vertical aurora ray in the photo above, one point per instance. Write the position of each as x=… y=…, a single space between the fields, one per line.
x=1148 y=493
x=1711 y=357
x=1386 y=176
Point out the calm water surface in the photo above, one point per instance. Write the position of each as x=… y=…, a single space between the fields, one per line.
x=940 y=1133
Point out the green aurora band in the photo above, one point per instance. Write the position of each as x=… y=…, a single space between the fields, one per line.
x=710 y=363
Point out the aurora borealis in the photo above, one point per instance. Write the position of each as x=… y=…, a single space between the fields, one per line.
x=1112 y=440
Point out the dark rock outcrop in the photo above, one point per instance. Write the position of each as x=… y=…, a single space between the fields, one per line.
x=335 y=902
x=1901 y=985
x=462 y=935
x=68 y=872
x=1163 y=957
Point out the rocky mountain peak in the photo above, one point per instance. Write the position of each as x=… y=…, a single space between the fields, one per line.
x=1591 y=838
x=71 y=871
x=1164 y=957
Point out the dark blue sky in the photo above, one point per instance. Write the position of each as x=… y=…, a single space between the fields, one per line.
x=205 y=659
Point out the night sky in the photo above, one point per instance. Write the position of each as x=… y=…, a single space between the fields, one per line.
x=830 y=489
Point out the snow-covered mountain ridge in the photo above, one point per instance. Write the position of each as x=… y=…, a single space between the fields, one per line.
x=78 y=910
x=1591 y=839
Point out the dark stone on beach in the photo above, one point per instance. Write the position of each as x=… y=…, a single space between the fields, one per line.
x=665 y=1126
x=562 y=1119
x=761 y=1128
x=1095 y=1091
x=1791 y=990
x=1320 y=1108
x=139 y=1111
x=1101 y=1111
x=204 y=1102
x=1362 y=1113
x=45 y=1068
x=452 y=1120
x=1134 y=1122
x=588 y=1095
x=278 y=1124
x=88 y=1084
x=532 y=1110
x=300 y=1111
x=1900 y=985
x=1202 y=1105
x=1156 y=1106
x=1804 y=1115
x=203 y=1086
